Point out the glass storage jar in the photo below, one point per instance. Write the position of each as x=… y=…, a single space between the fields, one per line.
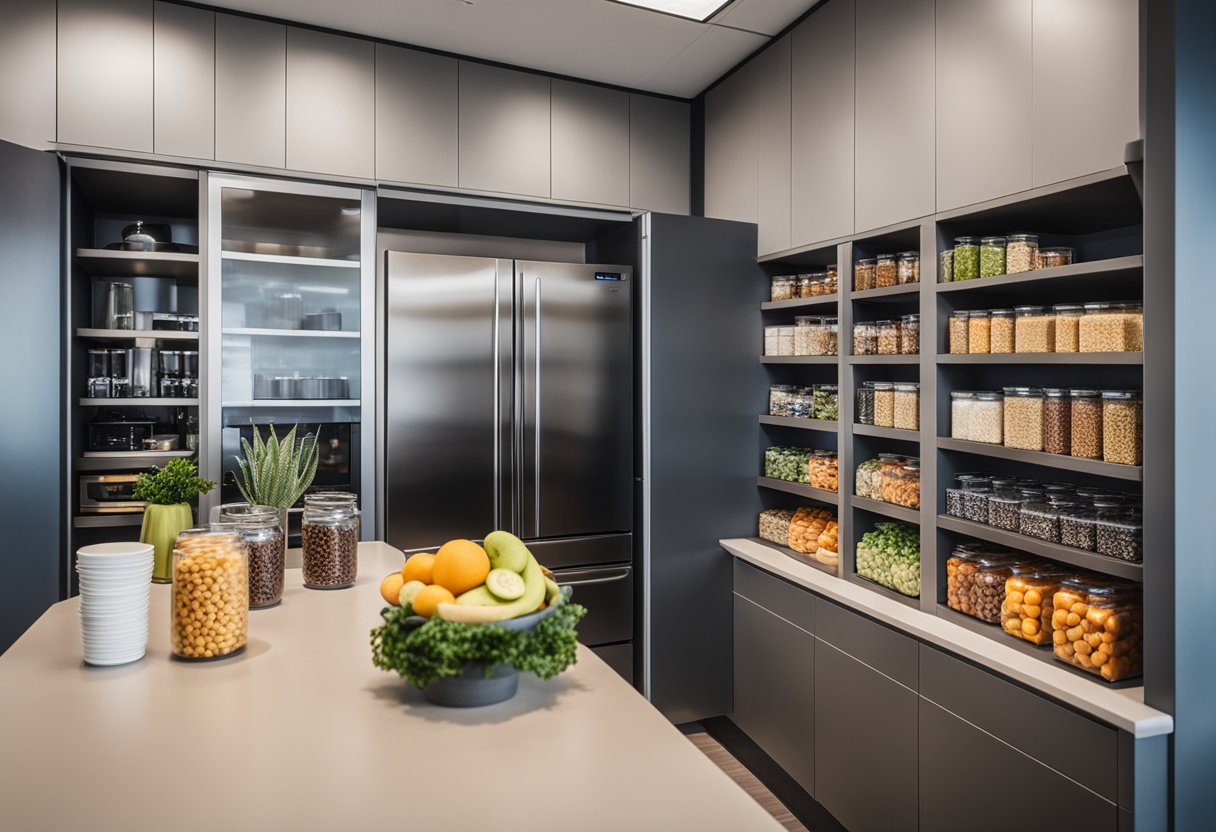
x=824 y=341
x=785 y=340
x=261 y=529
x=909 y=334
x=1027 y=610
x=781 y=399
x=1068 y=326
x=804 y=326
x=1118 y=531
x=865 y=403
x=908 y=267
x=906 y=406
x=832 y=280
x=975 y=581
x=804 y=403
x=945 y=266
x=823 y=470
x=826 y=402
x=1024 y=418
x=1001 y=326
x=884 y=404
x=962 y=414
x=774 y=525
x=865 y=339
x=863 y=274
x=1077 y=527
x=957 y=332
x=1052 y=257
x=1097 y=625
x=954 y=495
x=868 y=481
x=331 y=542
x=805 y=284
x=1004 y=509
x=1034 y=329
x=772 y=340
x=788 y=464
x=979 y=332
x=1122 y=427
x=1057 y=421
x=977 y=416
x=886 y=271
x=966 y=258
x=1086 y=418
x=888 y=337
x=210 y=604
x=1021 y=253
x=783 y=287
x=992 y=256
x=1041 y=520
x=977 y=491
x=819 y=284
x=1112 y=327
x=901 y=484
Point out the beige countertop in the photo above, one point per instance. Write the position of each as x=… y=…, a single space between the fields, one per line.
x=302 y=733
x=1123 y=708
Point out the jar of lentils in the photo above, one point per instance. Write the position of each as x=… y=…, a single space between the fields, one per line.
x=908 y=270
x=260 y=527
x=1021 y=253
x=992 y=256
x=210 y=604
x=863 y=274
x=1122 y=418
x=1001 y=326
x=966 y=258
x=886 y=271
x=331 y=541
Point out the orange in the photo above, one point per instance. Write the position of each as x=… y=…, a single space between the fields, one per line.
x=390 y=587
x=418 y=568
x=429 y=598
x=461 y=565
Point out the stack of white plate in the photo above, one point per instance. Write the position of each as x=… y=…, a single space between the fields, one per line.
x=114 y=591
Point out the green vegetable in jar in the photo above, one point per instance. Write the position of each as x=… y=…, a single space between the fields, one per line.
x=992 y=257
x=966 y=260
x=789 y=464
x=826 y=404
x=890 y=556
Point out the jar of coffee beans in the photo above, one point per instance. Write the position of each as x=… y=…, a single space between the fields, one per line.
x=262 y=531
x=1119 y=531
x=331 y=541
x=210 y=605
x=1077 y=527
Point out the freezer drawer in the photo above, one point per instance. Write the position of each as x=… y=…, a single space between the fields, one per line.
x=619 y=657
x=566 y=552
x=607 y=593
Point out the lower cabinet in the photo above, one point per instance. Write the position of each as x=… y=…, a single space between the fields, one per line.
x=865 y=745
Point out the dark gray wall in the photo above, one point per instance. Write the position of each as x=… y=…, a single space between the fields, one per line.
x=30 y=506
x=706 y=389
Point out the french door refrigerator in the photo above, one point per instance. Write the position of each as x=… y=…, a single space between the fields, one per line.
x=509 y=396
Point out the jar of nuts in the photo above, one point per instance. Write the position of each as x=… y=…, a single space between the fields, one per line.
x=1024 y=418
x=261 y=529
x=829 y=285
x=1034 y=329
x=1068 y=326
x=1086 y=418
x=826 y=339
x=907 y=406
x=886 y=271
x=1001 y=326
x=966 y=258
x=909 y=334
x=210 y=604
x=884 y=404
x=1122 y=427
x=863 y=274
x=992 y=256
x=957 y=332
x=908 y=267
x=865 y=339
x=783 y=287
x=888 y=337
x=1098 y=626
x=1027 y=609
x=1054 y=256
x=1112 y=327
x=865 y=403
x=868 y=481
x=900 y=484
x=819 y=284
x=975 y=581
x=979 y=332
x=806 y=287
x=330 y=531
x=1021 y=253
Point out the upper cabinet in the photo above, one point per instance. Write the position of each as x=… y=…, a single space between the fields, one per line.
x=105 y=71
x=590 y=143
x=773 y=148
x=821 y=160
x=731 y=154
x=250 y=91
x=27 y=72
x=1086 y=100
x=417 y=117
x=895 y=100
x=504 y=130
x=983 y=67
x=659 y=173
x=184 y=76
x=331 y=104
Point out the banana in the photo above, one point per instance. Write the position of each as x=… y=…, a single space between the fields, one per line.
x=552 y=590
x=534 y=595
x=479 y=597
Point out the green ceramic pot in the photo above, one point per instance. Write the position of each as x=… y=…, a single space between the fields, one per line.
x=161 y=526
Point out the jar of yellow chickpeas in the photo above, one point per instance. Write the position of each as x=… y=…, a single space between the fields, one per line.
x=210 y=606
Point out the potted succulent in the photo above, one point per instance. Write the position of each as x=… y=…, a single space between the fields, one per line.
x=276 y=472
x=168 y=492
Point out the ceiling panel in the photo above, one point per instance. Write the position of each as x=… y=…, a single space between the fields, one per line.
x=685 y=74
x=767 y=17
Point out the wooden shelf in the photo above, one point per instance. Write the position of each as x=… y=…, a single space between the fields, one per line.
x=134 y=334
x=1134 y=473
x=883 y=359
x=907 y=515
x=798 y=556
x=1052 y=551
x=800 y=303
x=887 y=433
x=289 y=333
x=135 y=402
x=1081 y=358
x=874 y=586
x=100 y=262
x=831 y=498
x=799 y=359
x=802 y=424
x=1096 y=274
x=288 y=260
x=903 y=292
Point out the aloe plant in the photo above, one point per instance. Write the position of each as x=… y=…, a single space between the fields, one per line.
x=276 y=472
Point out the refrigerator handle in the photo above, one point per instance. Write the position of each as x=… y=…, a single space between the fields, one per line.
x=497 y=412
x=536 y=381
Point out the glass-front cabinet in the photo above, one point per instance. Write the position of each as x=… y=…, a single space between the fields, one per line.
x=291 y=282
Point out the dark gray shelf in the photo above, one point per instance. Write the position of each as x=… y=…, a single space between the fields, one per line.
x=884 y=359
x=798 y=556
x=1081 y=358
x=134 y=334
x=874 y=586
x=800 y=303
x=886 y=433
x=799 y=359
x=829 y=497
x=907 y=515
x=131 y=401
x=902 y=292
x=100 y=262
x=105 y=521
x=1088 y=274
x=1053 y=551
x=1134 y=473
x=802 y=424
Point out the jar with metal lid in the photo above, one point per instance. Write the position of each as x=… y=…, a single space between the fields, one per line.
x=977 y=490
x=962 y=414
x=804 y=326
x=1042 y=519
x=1034 y=329
x=957 y=330
x=865 y=339
x=1112 y=327
x=1004 y=509
x=1000 y=327
x=1051 y=257
x=1027 y=610
x=330 y=531
x=868 y=480
x=954 y=496
x=819 y=284
x=780 y=399
x=260 y=527
x=1068 y=326
x=979 y=332
x=945 y=266
x=966 y=258
x=772 y=336
x=1078 y=527
x=1122 y=427
x=886 y=271
x=831 y=281
x=888 y=337
x=826 y=402
x=975 y=581
x=783 y=287
x=209 y=616
x=1097 y=625
x=1021 y=253
x=992 y=256
x=865 y=403
x=1118 y=531
x=804 y=287
x=909 y=334
x=863 y=273
x=907 y=406
x=1057 y=421
x=908 y=267
x=1024 y=418
x=884 y=404
x=1086 y=418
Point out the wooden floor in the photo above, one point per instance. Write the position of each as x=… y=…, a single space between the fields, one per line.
x=735 y=770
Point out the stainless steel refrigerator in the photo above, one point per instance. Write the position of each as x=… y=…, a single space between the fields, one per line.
x=509 y=394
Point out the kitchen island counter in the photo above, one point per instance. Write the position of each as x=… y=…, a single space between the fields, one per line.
x=301 y=732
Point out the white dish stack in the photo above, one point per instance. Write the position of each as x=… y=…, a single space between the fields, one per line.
x=115 y=579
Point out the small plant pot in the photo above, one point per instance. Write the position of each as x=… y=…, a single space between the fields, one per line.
x=161 y=526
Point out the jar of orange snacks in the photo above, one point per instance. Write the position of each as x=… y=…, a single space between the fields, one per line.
x=1026 y=612
x=1098 y=626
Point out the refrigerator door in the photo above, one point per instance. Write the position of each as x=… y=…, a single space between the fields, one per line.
x=575 y=373
x=449 y=398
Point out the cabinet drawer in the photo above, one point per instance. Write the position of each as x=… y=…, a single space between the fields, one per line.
x=607 y=593
x=1073 y=745
x=783 y=599
x=880 y=647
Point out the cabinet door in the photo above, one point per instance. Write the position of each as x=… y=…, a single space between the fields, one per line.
x=894 y=141
x=983 y=98
x=775 y=688
x=27 y=72
x=1086 y=86
x=184 y=115
x=773 y=147
x=417 y=116
x=731 y=155
x=966 y=776
x=331 y=104
x=865 y=744
x=590 y=144
x=821 y=161
x=250 y=91
x=105 y=73
x=659 y=142
x=504 y=130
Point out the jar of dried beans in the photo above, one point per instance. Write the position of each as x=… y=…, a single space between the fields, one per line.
x=210 y=604
x=1000 y=327
x=886 y=271
x=1034 y=329
x=884 y=404
x=260 y=527
x=1068 y=326
x=1077 y=527
x=1057 y=421
x=1122 y=418
x=1054 y=256
x=330 y=531
x=863 y=274
x=1118 y=531
x=907 y=406
x=1086 y=419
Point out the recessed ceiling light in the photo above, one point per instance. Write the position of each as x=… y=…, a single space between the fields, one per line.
x=700 y=10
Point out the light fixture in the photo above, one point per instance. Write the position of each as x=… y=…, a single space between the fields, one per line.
x=699 y=10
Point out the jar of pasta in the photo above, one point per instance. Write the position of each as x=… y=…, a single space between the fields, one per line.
x=966 y=258
x=1000 y=327
x=210 y=603
x=1122 y=427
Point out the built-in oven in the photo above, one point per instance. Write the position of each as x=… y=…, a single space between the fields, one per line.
x=108 y=494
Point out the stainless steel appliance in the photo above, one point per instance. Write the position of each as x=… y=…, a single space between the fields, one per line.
x=108 y=493
x=115 y=434
x=510 y=406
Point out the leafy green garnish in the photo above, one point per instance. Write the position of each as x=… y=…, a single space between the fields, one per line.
x=177 y=482
x=439 y=649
